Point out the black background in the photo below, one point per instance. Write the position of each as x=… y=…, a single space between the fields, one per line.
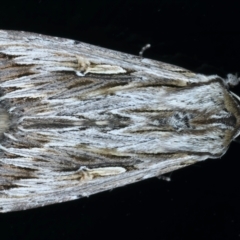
x=201 y=201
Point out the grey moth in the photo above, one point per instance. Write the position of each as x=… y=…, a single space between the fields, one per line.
x=76 y=119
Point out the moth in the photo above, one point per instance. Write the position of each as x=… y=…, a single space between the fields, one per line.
x=76 y=119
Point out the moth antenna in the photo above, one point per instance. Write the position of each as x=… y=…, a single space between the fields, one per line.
x=144 y=48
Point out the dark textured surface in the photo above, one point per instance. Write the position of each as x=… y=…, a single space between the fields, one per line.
x=202 y=201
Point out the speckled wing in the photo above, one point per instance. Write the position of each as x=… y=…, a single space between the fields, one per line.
x=77 y=119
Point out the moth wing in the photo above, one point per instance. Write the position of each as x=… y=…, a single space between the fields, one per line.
x=64 y=48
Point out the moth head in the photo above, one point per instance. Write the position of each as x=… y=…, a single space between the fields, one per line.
x=232 y=80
